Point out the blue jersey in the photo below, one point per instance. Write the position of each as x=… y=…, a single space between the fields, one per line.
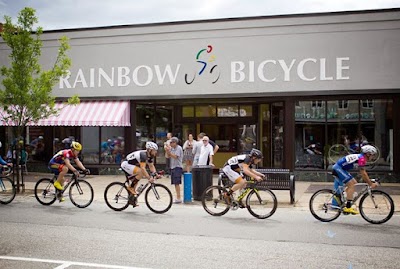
x=348 y=162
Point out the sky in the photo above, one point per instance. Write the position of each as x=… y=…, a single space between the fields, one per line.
x=70 y=14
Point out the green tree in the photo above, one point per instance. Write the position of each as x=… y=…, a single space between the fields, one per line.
x=26 y=95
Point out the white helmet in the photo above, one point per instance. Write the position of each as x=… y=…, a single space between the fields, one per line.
x=151 y=145
x=1 y=144
x=368 y=149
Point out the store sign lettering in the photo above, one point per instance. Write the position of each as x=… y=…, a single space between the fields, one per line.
x=241 y=72
x=120 y=76
x=308 y=69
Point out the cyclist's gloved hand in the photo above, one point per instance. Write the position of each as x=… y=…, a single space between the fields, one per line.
x=155 y=175
x=76 y=173
x=374 y=185
x=87 y=172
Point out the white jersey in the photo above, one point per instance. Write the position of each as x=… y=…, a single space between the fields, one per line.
x=137 y=157
x=236 y=162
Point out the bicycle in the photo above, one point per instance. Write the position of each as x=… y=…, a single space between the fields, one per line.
x=261 y=202
x=80 y=191
x=7 y=186
x=338 y=151
x=375 y=206
x=157 y=196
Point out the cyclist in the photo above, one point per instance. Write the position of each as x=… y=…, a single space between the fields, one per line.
x=136 y=163
x=60 y=164
x=234 y=167
x=2 y=161
x=340 y=170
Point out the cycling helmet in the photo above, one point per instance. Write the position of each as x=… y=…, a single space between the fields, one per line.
x=256 y=153
x=151 y=145
x=368 y=149
x=76 y=146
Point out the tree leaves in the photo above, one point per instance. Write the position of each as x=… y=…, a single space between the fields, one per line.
x=27 y=89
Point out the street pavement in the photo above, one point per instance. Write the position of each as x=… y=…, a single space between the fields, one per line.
x=303 y=189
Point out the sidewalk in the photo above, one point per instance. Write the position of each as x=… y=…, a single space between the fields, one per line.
x=303 y=191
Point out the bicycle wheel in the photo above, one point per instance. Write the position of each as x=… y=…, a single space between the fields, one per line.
x=116 y=196
x=158 y=198
x=81 y=193
x=376 y=208
x=213 y=201
x=261 y=204
x=45 y=192
x=336 y=152
x=321 y=206
x=7 y=190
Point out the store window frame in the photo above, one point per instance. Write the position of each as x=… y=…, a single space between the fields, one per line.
x=362 y=122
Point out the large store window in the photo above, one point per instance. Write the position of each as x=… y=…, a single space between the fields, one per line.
x=107 y=148
x=35 y=146
x=329 y=130
x=153 y=123
x=90 y=141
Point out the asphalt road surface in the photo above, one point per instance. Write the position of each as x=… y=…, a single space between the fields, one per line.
x=63 y=236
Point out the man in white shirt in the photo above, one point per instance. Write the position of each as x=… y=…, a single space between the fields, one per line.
x=206 y=153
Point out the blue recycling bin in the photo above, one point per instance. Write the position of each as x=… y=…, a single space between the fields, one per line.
x=187 y=187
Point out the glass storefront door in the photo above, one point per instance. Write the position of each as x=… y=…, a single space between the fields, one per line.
x=271 y=118
x=226 y=137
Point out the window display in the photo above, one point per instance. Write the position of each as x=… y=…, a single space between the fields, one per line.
x=329 y=130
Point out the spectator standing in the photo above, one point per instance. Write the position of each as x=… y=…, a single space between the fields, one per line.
x=188 y=152
x=167 y=147
x=197 y=147
x=175 y=153
x=214 y=146
x=206 y=152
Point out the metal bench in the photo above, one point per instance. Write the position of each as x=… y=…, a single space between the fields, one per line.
x=276 y=179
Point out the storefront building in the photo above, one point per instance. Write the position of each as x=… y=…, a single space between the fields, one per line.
x=305 y=89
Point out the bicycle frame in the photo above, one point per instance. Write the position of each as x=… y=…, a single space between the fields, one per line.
x=3 y=188
x=128 y=183
x=118 y=196
x=247 y=189
x=342 y=189
x=73 y=178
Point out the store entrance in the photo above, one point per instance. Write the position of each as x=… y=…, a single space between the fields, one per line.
x=226 y=137
x=271 y=123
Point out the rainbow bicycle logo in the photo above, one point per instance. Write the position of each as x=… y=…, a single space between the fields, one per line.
x=213 y=70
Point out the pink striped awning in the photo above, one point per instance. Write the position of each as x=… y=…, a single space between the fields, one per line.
x=89 y=113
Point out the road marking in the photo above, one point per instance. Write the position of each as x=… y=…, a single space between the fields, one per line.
x=63 y=266
x=66 y=264
x=331 y=234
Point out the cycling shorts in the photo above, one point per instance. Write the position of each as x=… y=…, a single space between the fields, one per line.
x=131 y=169
x=56 y=168
x=232 y=174
x=343 y=175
